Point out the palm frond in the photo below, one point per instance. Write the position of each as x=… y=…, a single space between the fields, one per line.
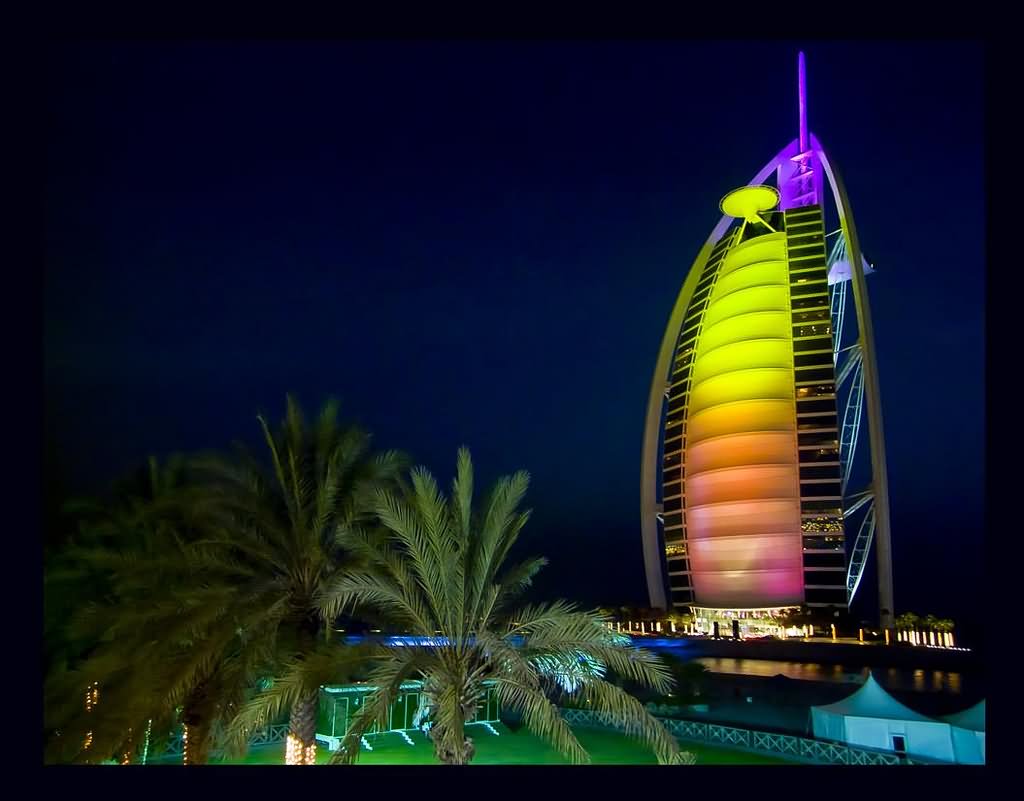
x=636 y=722
x=300 y=675
x=387 y=677
x=512 y=583
x=541 y=716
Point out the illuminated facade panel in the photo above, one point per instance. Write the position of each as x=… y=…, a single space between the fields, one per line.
x=743 y=516
x=752 y=509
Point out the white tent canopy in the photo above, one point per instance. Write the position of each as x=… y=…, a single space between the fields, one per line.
x=972 y=718
x=968 y=729
x=871 y=718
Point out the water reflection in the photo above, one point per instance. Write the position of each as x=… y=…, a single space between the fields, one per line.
x=891 y=678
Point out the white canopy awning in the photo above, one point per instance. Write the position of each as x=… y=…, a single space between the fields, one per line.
x=871 y=718
x=872 y=701
x=972 y=718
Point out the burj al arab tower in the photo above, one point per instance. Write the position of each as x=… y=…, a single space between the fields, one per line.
x=755 y=410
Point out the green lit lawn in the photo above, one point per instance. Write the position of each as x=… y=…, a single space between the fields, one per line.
x=519 y=748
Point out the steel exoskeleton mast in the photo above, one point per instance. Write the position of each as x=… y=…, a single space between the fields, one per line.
x=801 y=168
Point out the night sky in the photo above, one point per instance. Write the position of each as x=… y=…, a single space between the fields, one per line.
x=480 y=244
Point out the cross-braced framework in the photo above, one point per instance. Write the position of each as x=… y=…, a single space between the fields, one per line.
x=837 y=296
x=850 y=377
x=803 y=168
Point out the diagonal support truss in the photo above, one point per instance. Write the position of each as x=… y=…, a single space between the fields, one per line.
x=852 y=361
x=871 y=395
x=861 y=549
x=856 y=501
x=851 y=423
x=850 y=368
x=837 y=297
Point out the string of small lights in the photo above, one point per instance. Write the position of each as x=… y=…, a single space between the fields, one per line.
x=126 y=757
x=145 y=743
x=92 y=696
x=297 y=754
x=92 y=699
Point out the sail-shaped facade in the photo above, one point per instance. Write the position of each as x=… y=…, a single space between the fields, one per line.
x=743 y=476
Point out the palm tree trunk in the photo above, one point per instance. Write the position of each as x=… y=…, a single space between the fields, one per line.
x=128 y=748
x=301 y=748
x=454 y=747
x=453 y=755
x=197 y=733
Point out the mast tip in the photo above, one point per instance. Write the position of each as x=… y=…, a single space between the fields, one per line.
x=802 y=98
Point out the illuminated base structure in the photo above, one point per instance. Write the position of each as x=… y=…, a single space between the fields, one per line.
x=746 y=457
x=749 y=623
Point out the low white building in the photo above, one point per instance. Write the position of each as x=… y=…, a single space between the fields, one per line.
x=969 y=734
x=871 y=718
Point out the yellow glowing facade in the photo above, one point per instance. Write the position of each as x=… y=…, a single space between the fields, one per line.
x=751 y=508
x=742 y=481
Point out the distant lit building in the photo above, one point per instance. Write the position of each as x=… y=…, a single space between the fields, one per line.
x=748 y=444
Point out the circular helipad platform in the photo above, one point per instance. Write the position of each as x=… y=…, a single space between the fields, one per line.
x=748 y=201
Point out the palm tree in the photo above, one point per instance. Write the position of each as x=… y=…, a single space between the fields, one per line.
x=91 y=526
x=239 y=596
x=75 y=579
x=151 y=657
x=945 y=626
x=439 y=566
x=280 y=524
x=908 y=621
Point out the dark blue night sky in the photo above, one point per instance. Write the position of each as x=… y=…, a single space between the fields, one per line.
x=480 y=244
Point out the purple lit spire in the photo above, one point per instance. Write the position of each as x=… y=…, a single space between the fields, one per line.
x=799 y=179
x=802 y=82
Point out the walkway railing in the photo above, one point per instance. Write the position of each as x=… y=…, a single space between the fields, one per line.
x=175 y=746
x=782 y=745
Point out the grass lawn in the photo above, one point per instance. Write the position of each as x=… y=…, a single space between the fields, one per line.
x=518 y=748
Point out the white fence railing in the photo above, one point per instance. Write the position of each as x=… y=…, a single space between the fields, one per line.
x=783 y=745
x=174 y=747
